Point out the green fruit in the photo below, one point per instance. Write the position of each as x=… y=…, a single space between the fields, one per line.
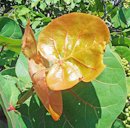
x=129 y=95
x=127 y=126
x=128 y=74
x=127 y=114
x=128 y=66
x=127 y=69
x=126 y=110
x=125 y=121
x=128 y=119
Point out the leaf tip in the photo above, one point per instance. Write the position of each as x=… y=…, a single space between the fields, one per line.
x=54 y=115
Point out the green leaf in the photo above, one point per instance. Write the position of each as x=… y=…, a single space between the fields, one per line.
x=126 y=12
x=118 y=124
x=7 y=58
x=9 y=28
x=18 y=1
x=10 y=71
x=120 y=40
x=98 y=99
x=9 y=95
x=128 y=85
x=99 y=5
x=122 y=18
x=127 y=41
x=22 y=69
x=42 y=5
x=10 y=34
x=48 y=1
x=123 y=51
x=35 y=24
x=23 y=10
x=68 y=1
x=34 y=3
x=87 y=105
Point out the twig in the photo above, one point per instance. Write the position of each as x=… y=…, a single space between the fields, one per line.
x=25 y=96
x=105 y=9
x=2 y=48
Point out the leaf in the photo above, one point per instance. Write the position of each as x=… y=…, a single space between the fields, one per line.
x=120 y=40
x=52 y=100
x=34 y=3
x=87 y=105
x=118 y=124
x=127 y=15
x=23 y=10
x=35 y=24
x=42 y=5
x=122 y=18
x=68 y=1
x=19 y=1
x=21 y=69
x=9 y=95
x=12 y=44
x=123 y=51
x=7 y=58
x=9 y=28
x=99 y=5
x=29 y=45
x=128 y=85
x=10 y=71
x=10 y=34
x=74 y=49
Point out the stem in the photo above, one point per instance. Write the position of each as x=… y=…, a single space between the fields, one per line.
x=105 y=9
x=2 y=48
x=25 y=96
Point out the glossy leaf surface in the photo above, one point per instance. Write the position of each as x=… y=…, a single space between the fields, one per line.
x=70 y=42
x=52 y=100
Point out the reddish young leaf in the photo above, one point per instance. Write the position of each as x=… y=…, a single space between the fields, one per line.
x=52 y=100
x=73 y=45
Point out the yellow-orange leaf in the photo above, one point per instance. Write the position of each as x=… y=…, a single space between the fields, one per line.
x=73 y=45
x=29 y=45
x=52 y=100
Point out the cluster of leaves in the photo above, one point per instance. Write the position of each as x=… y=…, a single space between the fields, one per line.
x=83 y=107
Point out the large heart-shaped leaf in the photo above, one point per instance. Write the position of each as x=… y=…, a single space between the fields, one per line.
x=74 y=49
x=87 y=105
x=10 y=34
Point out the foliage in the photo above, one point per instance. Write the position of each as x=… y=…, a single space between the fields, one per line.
x=93 y=105
x=91 y=100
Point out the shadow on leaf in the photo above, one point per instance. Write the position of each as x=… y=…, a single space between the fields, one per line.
x=81 y=110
